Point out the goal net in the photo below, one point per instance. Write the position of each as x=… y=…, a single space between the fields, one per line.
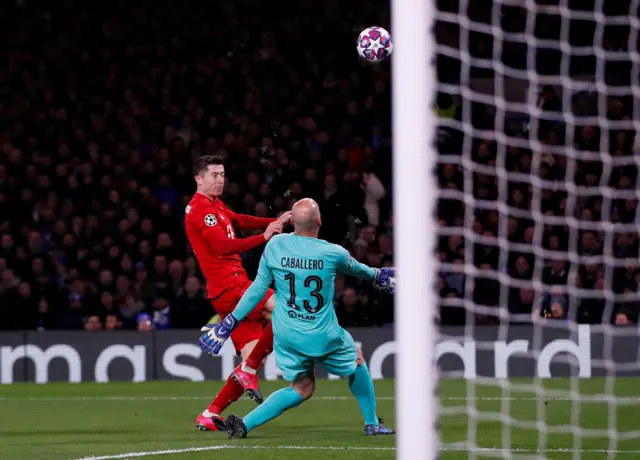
x=536 y=106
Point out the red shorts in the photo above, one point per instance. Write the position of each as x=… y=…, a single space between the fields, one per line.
x=250 y=328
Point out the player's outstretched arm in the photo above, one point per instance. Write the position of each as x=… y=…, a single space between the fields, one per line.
x=216 y=334
x=246 y=222
x=383 y=278
x=350 y=266
x=218 y=241
x=226 y=247
x=203 y=221
x=257 y=290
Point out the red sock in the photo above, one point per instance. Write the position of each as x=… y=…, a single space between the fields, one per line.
x=230 y=392
x=262 y=348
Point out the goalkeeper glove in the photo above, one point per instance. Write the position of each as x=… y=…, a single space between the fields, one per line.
x=216 y=334
x=385 y=280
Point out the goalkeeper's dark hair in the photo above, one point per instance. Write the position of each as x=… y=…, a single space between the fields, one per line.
x=202 y=163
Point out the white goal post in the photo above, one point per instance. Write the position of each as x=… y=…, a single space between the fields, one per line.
x=414 y=158
x=546 y=177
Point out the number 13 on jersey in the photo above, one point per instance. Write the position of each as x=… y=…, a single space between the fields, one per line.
x=314 y=286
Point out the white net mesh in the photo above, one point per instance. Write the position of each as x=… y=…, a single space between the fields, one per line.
x=538 y=167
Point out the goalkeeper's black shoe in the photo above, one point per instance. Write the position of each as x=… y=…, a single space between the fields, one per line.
x=235 y=427
x=374 y=430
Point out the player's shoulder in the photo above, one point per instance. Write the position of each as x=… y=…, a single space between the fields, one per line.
x=336 y=254
x=199 y=208
x=331 y=248
x=277 y=242
x=286 y=242
x=325 y=249
x=333 y=255
x=195 y=203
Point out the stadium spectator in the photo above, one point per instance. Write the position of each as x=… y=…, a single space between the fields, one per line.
x=102 y=116
x=535 y=224
x=190 y=310
x=623 y=318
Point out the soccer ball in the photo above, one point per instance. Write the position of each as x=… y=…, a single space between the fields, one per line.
x=374 y=44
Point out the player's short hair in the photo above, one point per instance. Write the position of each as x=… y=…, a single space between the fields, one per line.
x=202 y=163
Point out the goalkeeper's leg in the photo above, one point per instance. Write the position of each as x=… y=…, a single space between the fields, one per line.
x=274 y=406
x=361 y=385
x=298 y=370
x=348 y=361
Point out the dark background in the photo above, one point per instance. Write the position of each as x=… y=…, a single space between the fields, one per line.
x=104 y=106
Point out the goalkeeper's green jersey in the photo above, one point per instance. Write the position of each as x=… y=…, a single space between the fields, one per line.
x=303 y=271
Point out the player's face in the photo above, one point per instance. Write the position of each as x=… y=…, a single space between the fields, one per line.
x=211 y=182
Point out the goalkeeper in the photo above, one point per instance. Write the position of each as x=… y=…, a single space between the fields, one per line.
x=305 y=326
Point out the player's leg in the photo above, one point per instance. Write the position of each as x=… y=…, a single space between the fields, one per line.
x=296 y=369
x=361 y=386
x=210 y=419
x=275 y=405
x=246 y=377
x=249 y=336
x=349 y=362
x=254 y=354
x=243 y=338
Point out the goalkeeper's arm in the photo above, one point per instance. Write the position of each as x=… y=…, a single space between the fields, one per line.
x=215 y=335
x=256 y=291
x=350 y=266
x=381 y=277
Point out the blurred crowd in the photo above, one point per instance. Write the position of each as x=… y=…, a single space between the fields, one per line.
x=105 y=106
x=539 y=223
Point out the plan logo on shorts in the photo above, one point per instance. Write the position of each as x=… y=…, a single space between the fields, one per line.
x=210 y=220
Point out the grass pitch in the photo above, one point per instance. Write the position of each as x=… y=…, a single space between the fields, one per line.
x=156 y=420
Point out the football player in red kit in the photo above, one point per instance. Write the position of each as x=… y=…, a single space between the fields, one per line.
x=210 y=228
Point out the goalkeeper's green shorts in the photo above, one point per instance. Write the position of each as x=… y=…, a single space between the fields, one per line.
x=340 y=362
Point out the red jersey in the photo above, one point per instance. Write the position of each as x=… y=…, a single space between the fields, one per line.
x=210 y=228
